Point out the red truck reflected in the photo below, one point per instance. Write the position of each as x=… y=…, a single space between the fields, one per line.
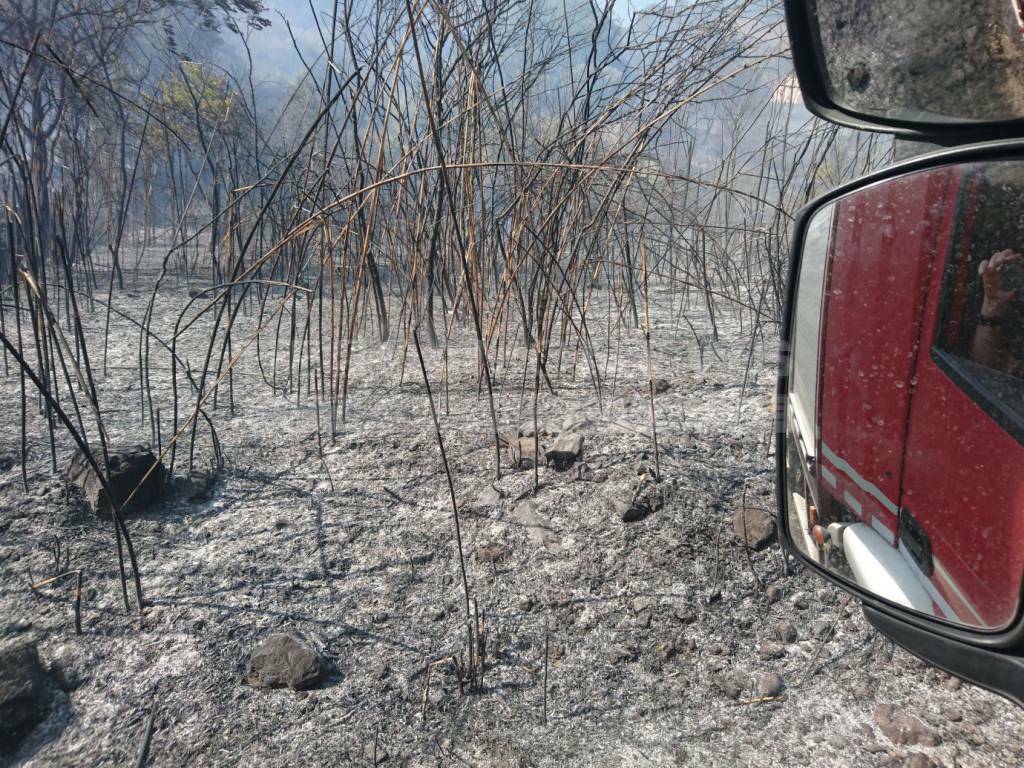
x=903 y=433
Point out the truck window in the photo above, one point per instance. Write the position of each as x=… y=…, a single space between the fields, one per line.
x=980 y=338
x=810 y=290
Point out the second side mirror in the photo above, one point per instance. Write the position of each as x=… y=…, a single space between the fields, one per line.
x=901 y=446
x=937 y=67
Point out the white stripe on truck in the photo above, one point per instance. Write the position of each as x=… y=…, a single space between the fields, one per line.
x=860 y=482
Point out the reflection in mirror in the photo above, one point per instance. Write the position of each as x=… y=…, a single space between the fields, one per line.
x=925 y=60
x=905 y=412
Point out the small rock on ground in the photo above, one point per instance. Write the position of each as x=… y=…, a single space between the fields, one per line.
x=566 y=449
x=774 y=593
x=754 y=526
x=786 y=631
x=620 y=653
x=644 y=498
x=771 y=650
x=769 y=684
x=24 y=693
x=492 y=552
x=284 y=660
x=523 y=452
x=903 y=729
x=727 y=684
x=127 y=468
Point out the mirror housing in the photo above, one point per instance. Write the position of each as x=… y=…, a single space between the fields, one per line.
x=912 y=68
x=984 y=648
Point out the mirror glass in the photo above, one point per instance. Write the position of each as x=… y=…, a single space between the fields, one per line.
x=922 y=60
x=905 y=411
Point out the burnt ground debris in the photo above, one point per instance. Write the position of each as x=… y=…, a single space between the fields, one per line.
x=663 y=637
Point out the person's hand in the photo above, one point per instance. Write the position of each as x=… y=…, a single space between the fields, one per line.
x=998 y=300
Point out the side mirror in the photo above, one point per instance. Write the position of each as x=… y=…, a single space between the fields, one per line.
x=928 y=67
x=901 y=440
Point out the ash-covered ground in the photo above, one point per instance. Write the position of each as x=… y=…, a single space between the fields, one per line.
x=657 y=632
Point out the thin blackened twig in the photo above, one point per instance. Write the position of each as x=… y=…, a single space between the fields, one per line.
x=447 y=472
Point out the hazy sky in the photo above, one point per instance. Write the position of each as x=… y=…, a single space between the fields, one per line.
x=274 y=57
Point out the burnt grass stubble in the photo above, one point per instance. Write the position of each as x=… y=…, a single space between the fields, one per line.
x=657 y=631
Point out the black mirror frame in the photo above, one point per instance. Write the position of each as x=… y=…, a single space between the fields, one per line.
x=805 y=49
x=932 y=639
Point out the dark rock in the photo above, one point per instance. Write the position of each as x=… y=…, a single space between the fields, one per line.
x=643 y=499
x=620 y=653
x=24 y=693
x=68 y=677
x=647 y=492
x=727 y=684
x=661 y=386
x=624 y=509
x=523 y=451
x=491 y=553
x=952 y=715
x=769 y=684
x=786 y=631
x=284 y=660
x=683 y=613
x=902 y=729
x=128 y=467
x=754 y=526
x=202 y=482
x=566 y=449
x=194 y=293
x=768 y=651
x=196 y=487
x=584 y=473
x=668 y=650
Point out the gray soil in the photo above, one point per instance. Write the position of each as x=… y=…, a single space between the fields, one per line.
x=658 y=631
